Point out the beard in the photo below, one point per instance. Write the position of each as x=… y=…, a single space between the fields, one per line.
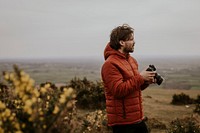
x=128 y=49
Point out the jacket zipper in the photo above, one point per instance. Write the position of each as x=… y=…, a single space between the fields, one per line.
x=124 y=112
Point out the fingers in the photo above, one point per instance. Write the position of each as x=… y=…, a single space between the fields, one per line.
x=151 y=77
x=148 y=76
x=151 y=74
x=151 y=81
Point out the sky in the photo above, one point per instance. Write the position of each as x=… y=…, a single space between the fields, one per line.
x=81 y=28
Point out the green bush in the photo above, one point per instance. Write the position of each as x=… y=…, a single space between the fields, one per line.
x=198 y=99
x=182 y=99
x=30 y=109
x=153 y=123
x=185 y=125
x=197 y=108
x=90 y=95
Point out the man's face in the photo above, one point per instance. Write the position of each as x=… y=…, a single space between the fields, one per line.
x=129 y=45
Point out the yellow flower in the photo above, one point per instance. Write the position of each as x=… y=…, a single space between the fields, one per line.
x=39 y=100
x=47 y=86
x=17 y=126
x=41 y=118
x=7 y=112
x=56 y=110
x=18 y=132
x=25 y=78
x=62 y=99
x=30 y=119
x=6 y=76
x=43 y=90
x=36 y=93
x=48 y=97
x=30 y=111
x=13 y=114
x=44 y=126
x=34 y=99
x=40 y=112
x=1 y=130
x=68 y=92
x=69 y=105
x=12 y=76
x=16 y=82
x=31 y=81
x=23 y=125
x=2 y=105
x=22 y=73
x=28 y=103
x=11 y=118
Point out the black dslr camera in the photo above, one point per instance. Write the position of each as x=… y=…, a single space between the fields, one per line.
x=159 y=79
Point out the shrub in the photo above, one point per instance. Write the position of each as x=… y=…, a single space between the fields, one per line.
x=90 y=95
x=96 y=122
x=153 y=123
x=185 y=125
x=182 y=99
x=26 y=108
x=198 y=99
x=197 y=108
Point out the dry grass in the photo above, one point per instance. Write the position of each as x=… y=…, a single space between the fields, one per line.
x=157 y=105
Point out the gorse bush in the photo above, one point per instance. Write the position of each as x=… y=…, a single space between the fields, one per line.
x=90 y=95
x=26 y=108
x=182 y=99
x=185 y=125
x=197 y=109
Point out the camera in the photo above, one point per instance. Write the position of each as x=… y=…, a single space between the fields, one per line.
x=159 y=79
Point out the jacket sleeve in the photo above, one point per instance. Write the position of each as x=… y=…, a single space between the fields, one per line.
x=144 y=86
x=116 y=85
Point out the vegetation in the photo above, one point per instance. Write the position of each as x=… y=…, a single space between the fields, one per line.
x=90 y=95
x=76 y=107
x=185 y=125
x=197 y=109
x=25 y=108
x=182 y=99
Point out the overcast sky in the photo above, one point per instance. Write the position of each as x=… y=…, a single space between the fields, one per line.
x=71 y=28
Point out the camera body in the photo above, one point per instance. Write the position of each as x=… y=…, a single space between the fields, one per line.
x=158 y=77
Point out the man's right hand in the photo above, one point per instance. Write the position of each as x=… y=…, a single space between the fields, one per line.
x=148 y=76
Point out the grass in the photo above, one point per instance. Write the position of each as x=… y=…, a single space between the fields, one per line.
x=156 y=100
x=157 y=104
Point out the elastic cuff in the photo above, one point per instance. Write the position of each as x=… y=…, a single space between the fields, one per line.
x=141 y=79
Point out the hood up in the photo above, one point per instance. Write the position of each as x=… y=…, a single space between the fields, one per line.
x=108 y=51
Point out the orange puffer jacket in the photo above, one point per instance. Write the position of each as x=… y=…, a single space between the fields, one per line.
x=123 y=85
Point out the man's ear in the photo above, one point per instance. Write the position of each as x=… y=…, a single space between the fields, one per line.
x=121 y=42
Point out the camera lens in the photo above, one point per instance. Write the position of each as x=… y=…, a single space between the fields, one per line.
x=159 y=79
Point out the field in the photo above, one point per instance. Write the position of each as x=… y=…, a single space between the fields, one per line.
x=179 y=73
x=157 y=104
x=182 y=75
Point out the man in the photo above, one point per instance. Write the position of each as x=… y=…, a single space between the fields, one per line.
x=123 y=83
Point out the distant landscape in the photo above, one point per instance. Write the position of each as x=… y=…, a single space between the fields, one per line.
x=178 y=72
x=182 y=75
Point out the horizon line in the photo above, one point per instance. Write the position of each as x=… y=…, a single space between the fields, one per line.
x=98 y=57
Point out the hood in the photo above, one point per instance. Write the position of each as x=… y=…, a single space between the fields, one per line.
x=108 y=51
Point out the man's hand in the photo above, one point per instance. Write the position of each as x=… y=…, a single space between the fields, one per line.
x=148 y=76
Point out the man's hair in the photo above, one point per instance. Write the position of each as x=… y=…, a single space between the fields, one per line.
x=120 y=33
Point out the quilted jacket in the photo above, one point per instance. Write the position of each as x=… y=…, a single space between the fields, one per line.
x=123 y=85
